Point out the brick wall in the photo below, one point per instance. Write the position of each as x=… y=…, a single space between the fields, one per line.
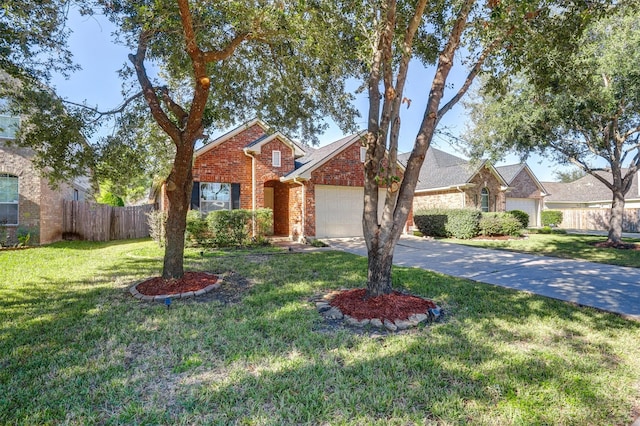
x=523 y=186
x=16 y=162
x=439 y=199
x=227 y=163
x=345 y=169
x=486 y=179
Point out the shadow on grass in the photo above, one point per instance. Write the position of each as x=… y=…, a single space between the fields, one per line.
x=87 y=350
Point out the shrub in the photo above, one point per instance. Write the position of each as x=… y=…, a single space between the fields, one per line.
x=463 y=223
x=492 y=224
x=457 y=223
x=197 y=231
x=264 y=224
x=24 y=236
x=230 y=227
x=157 y=220
x=523 y=217
x=551 y=217
x=431 y=222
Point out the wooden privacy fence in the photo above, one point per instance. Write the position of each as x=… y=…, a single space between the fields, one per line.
x=100 y=222
x=598 y=219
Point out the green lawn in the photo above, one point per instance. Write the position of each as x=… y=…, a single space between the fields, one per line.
x=76 y=348
x=569 y=246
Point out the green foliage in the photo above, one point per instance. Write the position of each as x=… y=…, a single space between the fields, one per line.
x=4 y=235
x=457 y=223
x=431 y=222
x=230 y=227
x=523 y=217
x=157 y=220
x=23 y=235
x=551 y=217
x=463 y=223
x=264 y=224
x=197 y=232
x=500 y=223
x=108 y=197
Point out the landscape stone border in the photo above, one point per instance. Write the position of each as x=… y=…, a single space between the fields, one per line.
x=327 y=311
x=162 y=297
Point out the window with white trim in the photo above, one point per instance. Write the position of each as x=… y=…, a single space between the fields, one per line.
x=484 y=200
x=363 y=154
x=214 y=196
x=276 y=158
x=8 y=199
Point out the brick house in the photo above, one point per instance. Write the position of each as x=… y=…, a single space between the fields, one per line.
x=312 y=192
x=28 y=203
x=447 y=181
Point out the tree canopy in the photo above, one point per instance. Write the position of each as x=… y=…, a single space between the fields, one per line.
x=580 y=107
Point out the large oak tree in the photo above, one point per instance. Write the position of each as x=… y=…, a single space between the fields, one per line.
x=492 y=35
x=580 y=107
x=217 y=63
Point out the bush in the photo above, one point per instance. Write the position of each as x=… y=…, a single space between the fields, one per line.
x=457 y=223
x=157 y=220
x=431 y=222
x=197 y=231
x=264 y=224
x=492 y=224
x=523 y=217
x=463 y=223
x=551 y=217
x=230 y=227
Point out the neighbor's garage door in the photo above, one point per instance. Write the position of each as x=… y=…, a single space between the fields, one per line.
x=527 y=205
x=339 y=210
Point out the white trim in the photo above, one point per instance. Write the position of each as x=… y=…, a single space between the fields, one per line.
x=13 y=203
x=276 y=158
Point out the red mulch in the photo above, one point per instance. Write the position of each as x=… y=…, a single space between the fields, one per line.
x=191 y=281
x=390 y=306
x=621 y=246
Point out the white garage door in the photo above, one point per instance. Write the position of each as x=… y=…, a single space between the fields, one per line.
x=527 y=205
x=339 y=210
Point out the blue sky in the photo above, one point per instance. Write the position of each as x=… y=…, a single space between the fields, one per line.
x=100 y=58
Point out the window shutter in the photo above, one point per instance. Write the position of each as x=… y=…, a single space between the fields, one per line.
x=195 y=196
x=235 y=196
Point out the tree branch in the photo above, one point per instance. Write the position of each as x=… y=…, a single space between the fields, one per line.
x=149 y=92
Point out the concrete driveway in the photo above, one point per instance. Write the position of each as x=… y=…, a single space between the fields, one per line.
x=606 y=287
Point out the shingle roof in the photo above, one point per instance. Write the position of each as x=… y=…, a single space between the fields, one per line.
x=442 y=170
x=510 y=172
x=586 y=189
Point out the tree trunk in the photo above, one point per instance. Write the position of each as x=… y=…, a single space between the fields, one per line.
x=617 y=216
x=379 y=272
x=178 y=187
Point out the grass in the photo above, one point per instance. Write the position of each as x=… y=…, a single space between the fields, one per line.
x=76 y=348
x=570 y=246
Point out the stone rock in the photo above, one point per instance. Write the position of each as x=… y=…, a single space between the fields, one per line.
x=325 y=308
x=418 y=318
x=402 y=324
x=333 y=313
x=376 y=322
x=351 y=320
x=389 y=325
x=320 y=305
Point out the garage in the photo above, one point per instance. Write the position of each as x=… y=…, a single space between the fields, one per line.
x=527 y=205
x=339 y=210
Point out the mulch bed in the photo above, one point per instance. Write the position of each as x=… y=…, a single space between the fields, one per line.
x=191 y=281
x=390 y=306
x=620 y=246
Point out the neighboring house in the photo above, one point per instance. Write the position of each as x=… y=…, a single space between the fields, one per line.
x=312 y=192
x=587 y=192
x=28 y=204
x=447 y=181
